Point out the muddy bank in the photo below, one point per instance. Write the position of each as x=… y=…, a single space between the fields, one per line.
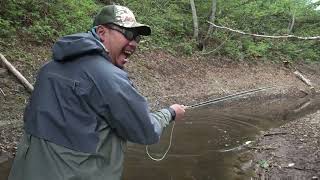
x=165 y=79
x=291 y=151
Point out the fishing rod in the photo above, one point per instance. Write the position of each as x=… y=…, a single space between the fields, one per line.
x=212 y=101
x=228 y=97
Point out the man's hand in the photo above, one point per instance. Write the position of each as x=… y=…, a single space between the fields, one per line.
x=179 y=110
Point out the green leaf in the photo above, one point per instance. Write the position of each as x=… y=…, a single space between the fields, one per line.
x=264 y=164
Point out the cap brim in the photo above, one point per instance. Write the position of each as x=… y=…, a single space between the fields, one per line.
x=143 y=29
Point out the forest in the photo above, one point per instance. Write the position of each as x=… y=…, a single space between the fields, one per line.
x=183 y=26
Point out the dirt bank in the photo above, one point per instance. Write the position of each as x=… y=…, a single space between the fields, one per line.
x=291 y=151
x=165 y=79
x=295 y=153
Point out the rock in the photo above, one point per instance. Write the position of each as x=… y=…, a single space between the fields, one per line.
x=290 y=164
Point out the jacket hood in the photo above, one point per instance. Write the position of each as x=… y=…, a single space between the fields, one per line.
x=72 y=46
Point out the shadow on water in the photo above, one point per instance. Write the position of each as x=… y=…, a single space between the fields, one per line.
x=206 y=144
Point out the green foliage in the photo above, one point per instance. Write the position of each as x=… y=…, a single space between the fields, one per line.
x=172 y=26
x=264 y=164
x=170 y=21
x=45 y=20
x=5 y=28
x=257 y=49
x=233 y=48
x=270 y=18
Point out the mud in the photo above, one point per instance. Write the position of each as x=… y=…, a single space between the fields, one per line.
x=291 y=151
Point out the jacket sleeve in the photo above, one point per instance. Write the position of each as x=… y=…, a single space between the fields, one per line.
x=127 y=112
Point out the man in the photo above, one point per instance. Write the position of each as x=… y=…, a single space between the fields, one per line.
x=84 y=108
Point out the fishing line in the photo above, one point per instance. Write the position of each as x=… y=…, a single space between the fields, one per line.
x=213 y=101
x=164 y=155
x=224 y=98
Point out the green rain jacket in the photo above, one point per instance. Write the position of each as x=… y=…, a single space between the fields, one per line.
x=81 y=113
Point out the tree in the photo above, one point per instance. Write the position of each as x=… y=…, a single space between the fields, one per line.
x=212 y=17
x=195 y=20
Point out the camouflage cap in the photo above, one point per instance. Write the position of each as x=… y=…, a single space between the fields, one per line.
x=121 y=16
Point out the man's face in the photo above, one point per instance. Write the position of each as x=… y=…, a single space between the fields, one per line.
x=120 y=48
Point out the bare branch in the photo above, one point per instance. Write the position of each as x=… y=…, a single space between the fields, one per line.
x=12 y=69
x=2 y=92
x=266 y=36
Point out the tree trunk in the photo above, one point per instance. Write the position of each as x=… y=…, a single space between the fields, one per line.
x=212 y=17
x=195 y=20
x=291 y=25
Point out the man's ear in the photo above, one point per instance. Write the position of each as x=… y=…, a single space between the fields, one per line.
x=101 y=31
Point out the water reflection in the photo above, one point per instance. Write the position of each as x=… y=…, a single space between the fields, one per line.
x=205 y=145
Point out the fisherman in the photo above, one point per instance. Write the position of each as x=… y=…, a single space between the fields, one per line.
x=84 y=108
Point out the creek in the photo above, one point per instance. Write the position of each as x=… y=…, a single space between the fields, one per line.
x=207 y=144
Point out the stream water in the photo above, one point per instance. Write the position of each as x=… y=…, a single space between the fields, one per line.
x=205 y=146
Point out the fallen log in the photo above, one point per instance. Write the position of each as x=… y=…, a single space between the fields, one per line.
x=305 y=80
x=15 y=72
